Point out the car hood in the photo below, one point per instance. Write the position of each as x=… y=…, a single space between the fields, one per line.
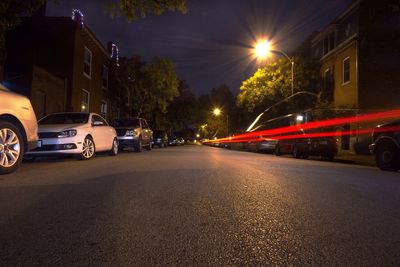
x=59 y=127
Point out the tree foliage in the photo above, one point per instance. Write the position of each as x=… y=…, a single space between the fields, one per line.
x=11 y=12
x=135 y=9
x=272 y=83
x=147 y=89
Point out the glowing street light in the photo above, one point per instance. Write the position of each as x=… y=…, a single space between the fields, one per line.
x=262 y=50
x=217 y=111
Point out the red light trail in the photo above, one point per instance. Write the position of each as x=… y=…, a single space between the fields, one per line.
x=280 y=133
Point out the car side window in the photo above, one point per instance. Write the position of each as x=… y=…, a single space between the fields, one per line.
x=99 y=121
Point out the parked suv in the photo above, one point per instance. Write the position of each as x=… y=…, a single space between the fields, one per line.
x=134 y=133
x=18 y=129
x=386 y=146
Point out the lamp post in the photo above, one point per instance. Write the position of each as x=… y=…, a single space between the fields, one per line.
x=217 y=112
x=263 y=48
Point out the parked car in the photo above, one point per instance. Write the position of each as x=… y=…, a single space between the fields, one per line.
x=386 y=146
x=18 y=129
x=262 y=145
x=160 y=139
x=180 y=141
x=134 y=133
x=176 y=141
x=74 y=133
x=305 y=147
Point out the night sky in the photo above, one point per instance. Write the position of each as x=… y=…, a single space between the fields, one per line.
x=210 y=43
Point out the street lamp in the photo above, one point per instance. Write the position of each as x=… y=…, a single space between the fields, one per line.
x=262 y=50
x=217 y=112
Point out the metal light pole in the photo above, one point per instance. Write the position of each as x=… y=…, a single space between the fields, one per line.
x=291 y=60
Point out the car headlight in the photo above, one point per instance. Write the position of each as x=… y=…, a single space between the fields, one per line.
x=67 y=133
x=132 y=133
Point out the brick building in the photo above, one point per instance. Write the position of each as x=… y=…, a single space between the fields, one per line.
x=359 y=53
x=62 y=49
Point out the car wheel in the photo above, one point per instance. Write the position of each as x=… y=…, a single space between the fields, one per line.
x=277 y=151
x=114 y=149
x=137 y=146
x=11 y=147
x=387 y=156
x=88 y=149
x=296 y=152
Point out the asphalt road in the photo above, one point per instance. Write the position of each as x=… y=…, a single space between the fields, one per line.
x=198 y=206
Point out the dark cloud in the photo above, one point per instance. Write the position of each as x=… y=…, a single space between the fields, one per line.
x=210 y=44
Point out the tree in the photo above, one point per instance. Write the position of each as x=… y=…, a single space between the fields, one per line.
x=11 y=12
x=134 y=9
x=148 y=89
x=272 y=84
x=182 y=111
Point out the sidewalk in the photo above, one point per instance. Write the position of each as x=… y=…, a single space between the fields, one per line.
x=368 y=160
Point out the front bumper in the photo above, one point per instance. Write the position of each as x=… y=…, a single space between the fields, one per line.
x=58 y=146
x=124 y=141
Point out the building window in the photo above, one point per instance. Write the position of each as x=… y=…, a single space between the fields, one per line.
x=87 y=63
x=346 y=70
x=103 y=110
x=85 y=101
x=104 y=75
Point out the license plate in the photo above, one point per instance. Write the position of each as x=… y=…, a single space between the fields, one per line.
x=323 y=142
x=39 y=143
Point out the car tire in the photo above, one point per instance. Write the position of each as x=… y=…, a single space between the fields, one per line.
x=387 y=156
x=277 y=151
x=14 y=140
x=114 y=148
x=137 y=146
x=88 y=149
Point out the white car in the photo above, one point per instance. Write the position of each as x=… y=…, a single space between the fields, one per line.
x=18 y=129
x=81 y=134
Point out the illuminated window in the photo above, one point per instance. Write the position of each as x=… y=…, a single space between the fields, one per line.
x=85 y=101
x=87 y=63
x=346 y=70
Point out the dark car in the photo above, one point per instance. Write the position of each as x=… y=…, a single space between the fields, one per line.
x=306 y=147
x=176 y=141
x=160 y=139
x=134 y=133
x=386 y=146
x=262 y=145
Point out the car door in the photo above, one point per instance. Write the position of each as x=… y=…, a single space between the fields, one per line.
x=100 y=133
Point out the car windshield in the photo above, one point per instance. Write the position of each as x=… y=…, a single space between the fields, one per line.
x=126 y=123
x=65 y=118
